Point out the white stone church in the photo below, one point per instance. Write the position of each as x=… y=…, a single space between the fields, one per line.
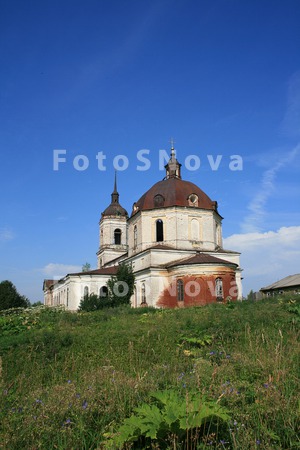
x=172 y=239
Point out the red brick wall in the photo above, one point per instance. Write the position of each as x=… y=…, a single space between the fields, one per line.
x=198 y=290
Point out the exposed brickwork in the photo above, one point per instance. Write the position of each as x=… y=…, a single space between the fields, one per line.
x=198 y=290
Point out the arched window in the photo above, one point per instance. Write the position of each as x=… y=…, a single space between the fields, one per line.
x=180 y=291
x=117 y=235
x=195 y=230
x=193 y=200
x=159 y=230
x=103 y=291
x=86 y=291
x=143 y=293
x=135 y=236
x=219 y=289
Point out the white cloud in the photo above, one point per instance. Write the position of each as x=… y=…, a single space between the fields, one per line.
x=56 y=271
x=6 y=235
x=254 y=220
x=267 y=257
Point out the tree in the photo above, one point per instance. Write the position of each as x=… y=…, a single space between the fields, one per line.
x=10 y=298
x=121 y=286
x=251 y=296
x=86 y=267
x=38 y=303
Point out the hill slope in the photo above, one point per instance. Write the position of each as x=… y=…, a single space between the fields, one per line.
x=69 y=380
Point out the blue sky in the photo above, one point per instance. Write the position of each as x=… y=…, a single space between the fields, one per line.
x=220 y=76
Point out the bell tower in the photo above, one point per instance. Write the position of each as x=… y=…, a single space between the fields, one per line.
x=112 y=230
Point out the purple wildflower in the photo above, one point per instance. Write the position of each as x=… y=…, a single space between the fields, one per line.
x=258 y=442
x=84 y=404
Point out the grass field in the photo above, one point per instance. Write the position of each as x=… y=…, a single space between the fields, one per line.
x=69 y=380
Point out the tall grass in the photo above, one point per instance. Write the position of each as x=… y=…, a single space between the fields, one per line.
x=69 y=380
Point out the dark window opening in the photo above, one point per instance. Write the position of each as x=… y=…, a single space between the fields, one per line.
x=219 y=289
x=159 y=231
x=180 y=291
x=118 y=236
x=103 y=291
x=143 y=292
x=135 y=237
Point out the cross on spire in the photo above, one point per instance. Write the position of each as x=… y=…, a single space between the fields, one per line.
x=172 y=142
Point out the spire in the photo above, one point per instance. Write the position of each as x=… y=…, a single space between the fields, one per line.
x=173 y=166
x=115 y=193
x=115 y=209
x=115 y=185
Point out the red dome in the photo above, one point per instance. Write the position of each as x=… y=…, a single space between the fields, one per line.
x=174 y=192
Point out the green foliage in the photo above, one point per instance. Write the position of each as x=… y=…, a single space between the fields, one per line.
x=10 y=298
x=120 y=289
x=175 y=419
x=33 y=305
x=121 y=286
x=74 y=379
x=92 y=302
x=86 y=267
x=18 y=320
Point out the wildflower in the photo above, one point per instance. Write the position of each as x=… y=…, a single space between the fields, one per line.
x=68 y=421
x=228 y=356
x=37 y=400
x=266 y=385
x=212 y=353
x=181 y=376
x=258 y=442
x=235 y=423
x=69 y=381
x=84 y=404
x=187 y=352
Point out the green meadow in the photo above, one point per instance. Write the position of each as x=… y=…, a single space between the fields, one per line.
x=219 y=376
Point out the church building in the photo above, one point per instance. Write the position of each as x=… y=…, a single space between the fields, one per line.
x=172 y=239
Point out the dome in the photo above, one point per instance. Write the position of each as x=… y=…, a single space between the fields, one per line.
x=174 y=192
x=115 y=209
